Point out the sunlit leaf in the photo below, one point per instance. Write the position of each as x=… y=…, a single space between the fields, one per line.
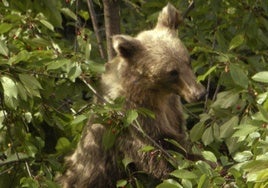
x=183 y=174
x=3 y=48
x=47 y=24
x=261 y=77
x=243 y=156
x=9 y=87
x=209 y=156
x=169 y=183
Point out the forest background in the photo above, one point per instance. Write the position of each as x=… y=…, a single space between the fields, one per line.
x=51 y=61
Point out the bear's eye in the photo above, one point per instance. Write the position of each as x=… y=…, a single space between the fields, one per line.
x=174 y=73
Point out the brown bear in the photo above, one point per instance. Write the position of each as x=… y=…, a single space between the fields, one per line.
x=152 y=71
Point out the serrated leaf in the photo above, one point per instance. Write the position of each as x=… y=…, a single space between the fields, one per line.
x=239 y=76
x=236 y=41
x=183 y=174
x=261 y=77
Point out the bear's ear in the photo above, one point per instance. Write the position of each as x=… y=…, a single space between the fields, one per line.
x=169 y=17
x=126 y=46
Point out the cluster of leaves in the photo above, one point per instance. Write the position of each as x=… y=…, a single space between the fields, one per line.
x=48 y=62
x=43 y=73
x=230 y=53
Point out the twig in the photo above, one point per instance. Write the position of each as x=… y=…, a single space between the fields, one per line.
x=112 y=24
x=96 y=27
x=189 y=9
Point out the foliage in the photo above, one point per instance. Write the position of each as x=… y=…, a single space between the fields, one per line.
x=49 y=59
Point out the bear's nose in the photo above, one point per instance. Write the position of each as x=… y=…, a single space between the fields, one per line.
x=200 y=92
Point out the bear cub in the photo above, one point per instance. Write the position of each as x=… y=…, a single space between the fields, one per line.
x=152 y=71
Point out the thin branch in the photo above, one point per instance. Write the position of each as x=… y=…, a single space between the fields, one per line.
x=96 y=27
x=112 y=24
x=189 y=9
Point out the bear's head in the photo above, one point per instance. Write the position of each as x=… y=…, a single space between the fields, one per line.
x=157 y=60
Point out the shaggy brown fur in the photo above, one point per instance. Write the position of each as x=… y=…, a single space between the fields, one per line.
x=151 y=71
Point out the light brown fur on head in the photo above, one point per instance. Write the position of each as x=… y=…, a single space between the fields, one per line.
x=151 y=70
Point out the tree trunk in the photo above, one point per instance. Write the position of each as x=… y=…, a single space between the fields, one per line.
x=112 y=23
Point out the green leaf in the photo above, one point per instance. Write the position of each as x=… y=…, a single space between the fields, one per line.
x=227 y=129
x=197 y=131
x=21 y=56
x=239 y=76
x=121 y=183
x=5 y=27
x=209 y=156
x=108 y=139
x=147 y=148
x=208 y=137
x=9 y=87
x=126 y=161
x=29 y=182
x=74 y=72
x=62 y=144
x=226 y=99
x=243 y=156
x=203 y=181
x=69 y=13
x=169 y=183
x=31 y=84
x=238 y=40
x=261 y=77
x=58 y=64
x=3 y=48
x=2 y=118
x=47 y=24
x=203 y=77
x=183 y=174
x=131 y=116
x=244 y=130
